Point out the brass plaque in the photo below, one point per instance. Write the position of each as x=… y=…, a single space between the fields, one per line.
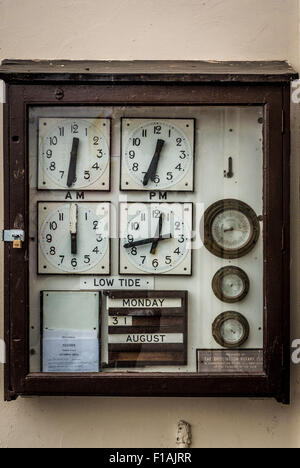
x=246 y=361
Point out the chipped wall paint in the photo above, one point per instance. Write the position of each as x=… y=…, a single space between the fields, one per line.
x=156 y=29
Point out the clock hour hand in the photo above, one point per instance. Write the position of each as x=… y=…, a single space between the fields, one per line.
x=157 y=236
x=129 y=245
x=73 y=227
x=151 y=173
x=73 y=163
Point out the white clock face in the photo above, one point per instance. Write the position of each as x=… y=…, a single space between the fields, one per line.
x=157 y=154
x=155 y=238
x=231 y=230
x=232 y=331
x=74 y=238
x=232 y=286
x=74 y=154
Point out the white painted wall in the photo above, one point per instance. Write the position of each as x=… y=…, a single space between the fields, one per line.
x=157 y=29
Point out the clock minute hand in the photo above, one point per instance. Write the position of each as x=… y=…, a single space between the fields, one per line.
x=150 y=174
x=129 y=245
x=158 y=235
x=73 y=227
x=73 y=163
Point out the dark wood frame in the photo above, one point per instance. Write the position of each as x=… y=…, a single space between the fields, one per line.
x=264 y=84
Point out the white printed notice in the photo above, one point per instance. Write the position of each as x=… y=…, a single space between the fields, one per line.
x=70 y=351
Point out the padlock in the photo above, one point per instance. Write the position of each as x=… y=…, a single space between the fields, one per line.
x=17 y=244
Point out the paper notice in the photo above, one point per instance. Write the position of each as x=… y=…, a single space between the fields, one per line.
x=70 y=351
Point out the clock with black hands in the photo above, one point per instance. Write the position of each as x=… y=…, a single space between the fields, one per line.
x=158 y=154
x=74 y=154
x=155 y=238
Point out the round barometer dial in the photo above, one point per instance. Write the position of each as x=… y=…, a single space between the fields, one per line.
x=230 y=329
x=231 y=228
x=157 y=154
x=231 y=284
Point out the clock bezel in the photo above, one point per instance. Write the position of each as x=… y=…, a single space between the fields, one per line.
x=220 y=207
x=74 y=189
x=216 y=284
x=193 y=161
x=221 y=319
x=38 y=248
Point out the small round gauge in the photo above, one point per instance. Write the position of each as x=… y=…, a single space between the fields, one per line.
x=154 y=238
x=73 y=238
x=74 y=154
x=230 y=329
x=231 y=284
x=231 y=229
x=157 y=154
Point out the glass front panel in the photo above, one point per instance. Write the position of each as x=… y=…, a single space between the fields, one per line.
x=146 y=239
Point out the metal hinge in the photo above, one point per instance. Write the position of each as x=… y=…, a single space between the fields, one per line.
x=13 y=235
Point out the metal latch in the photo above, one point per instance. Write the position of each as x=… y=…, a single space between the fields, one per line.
x=16 y=236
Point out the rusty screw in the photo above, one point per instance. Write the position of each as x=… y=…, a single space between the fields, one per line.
x=59 y=94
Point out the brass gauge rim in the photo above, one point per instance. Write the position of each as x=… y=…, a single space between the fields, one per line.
x=217 y=284
x=221 y=319
x=225 y=205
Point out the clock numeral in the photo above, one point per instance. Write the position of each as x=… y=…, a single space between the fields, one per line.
x=183 y=154
x=157 y=130
x=49 y=154
x=134 y=251
x=53 y=226
x=169 y=176
x=61 y=216
x=179 y=141
x=168 y=260
x=136 y=142
x=74 y=128
x=62 y=173
x=87 y=259
x=62 y=257
x=131 y=154
x=61 y=131
x=156 y=214
x=155 y=263
x=179 y=167
x=143 y=257
x=49 y=238
x=96 y=167
x=135 y=167
x=52 y=251
x=99 y=153
x=74 y=262
x=52 y=166
x=95 y=224
x=96 y=140
x=53 y=141
x=144 y=133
